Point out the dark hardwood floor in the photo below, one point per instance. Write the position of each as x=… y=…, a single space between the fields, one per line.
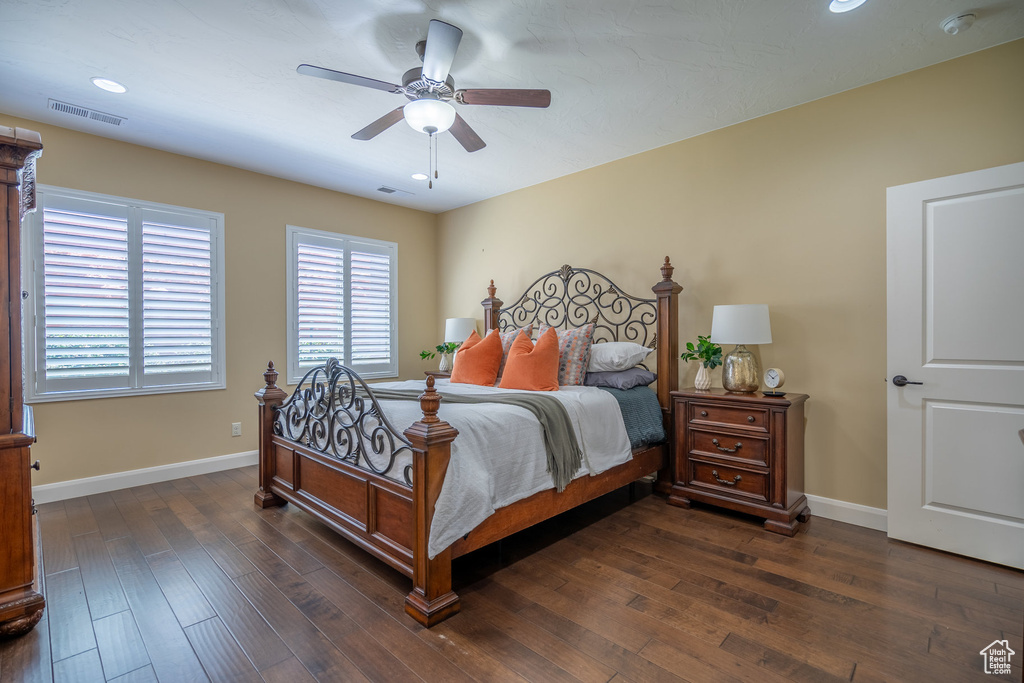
x=187 y=580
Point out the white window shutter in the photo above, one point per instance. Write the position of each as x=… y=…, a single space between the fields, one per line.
x=320 y=288
x=125 y=297
x=177 y=299
x=85 y=341
x=371 y=308
x=342 y=303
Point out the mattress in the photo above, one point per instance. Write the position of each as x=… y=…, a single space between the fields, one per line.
x=498 y=457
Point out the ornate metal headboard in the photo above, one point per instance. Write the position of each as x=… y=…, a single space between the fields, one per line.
x=571 y=297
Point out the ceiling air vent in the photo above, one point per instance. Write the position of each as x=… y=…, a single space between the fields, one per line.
x=86 y=113
x=391 y=190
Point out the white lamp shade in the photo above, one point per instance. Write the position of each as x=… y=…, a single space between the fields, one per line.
x=427 y=114
x=741 y=324
x=458 y=329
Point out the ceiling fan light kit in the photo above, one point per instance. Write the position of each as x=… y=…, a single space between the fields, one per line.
x=431 y=90
x=429 y=116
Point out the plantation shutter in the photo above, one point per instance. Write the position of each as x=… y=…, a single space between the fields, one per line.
x=85 y=296
x=320 y=286
x=342 y=303
x=370 y=286
x=177 y=299
x=125 y=297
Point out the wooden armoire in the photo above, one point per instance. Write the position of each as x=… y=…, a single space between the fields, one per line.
x=21 y=603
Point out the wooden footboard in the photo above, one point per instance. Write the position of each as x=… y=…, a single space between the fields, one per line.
x=321 y=462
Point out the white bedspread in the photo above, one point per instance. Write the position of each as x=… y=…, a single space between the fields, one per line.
x=498 y=457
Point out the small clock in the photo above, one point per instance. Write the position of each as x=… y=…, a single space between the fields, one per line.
x=773 y=379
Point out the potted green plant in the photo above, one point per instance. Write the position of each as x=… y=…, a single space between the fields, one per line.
x=710 y=356
x=446 y=350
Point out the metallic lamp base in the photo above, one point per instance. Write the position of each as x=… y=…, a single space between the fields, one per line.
x=739 y=371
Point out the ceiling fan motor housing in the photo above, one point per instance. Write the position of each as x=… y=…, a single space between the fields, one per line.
x=416 y=86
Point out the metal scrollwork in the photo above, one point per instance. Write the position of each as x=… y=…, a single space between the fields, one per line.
x=334 y=412
x=571 y=297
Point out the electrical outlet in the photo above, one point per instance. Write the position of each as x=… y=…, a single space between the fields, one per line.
x=236 y=429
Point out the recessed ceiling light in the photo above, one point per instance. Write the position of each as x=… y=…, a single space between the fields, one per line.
x=839 y=6
x=419 y=176
x=108 y=85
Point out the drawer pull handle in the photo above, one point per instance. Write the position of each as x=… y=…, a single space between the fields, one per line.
x=750 y=418
x=727 y=450
x=703 y=413
x=735 y=480
x=35 y=465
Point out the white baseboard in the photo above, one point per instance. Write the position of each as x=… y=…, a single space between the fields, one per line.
x=851 y=513
x=61 y=490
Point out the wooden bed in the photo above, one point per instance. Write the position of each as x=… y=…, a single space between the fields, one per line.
x=331 y=457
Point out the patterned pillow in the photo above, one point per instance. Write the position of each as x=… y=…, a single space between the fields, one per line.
x=507 y=338
x=573 y=353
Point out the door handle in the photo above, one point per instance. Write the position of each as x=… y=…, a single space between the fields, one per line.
x=901 y=381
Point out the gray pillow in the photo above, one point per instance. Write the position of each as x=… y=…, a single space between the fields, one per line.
x=621 y=379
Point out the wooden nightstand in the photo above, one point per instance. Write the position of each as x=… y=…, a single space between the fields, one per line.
x=437 y=374
x=744 y=452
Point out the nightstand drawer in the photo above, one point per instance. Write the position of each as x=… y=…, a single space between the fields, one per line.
x=749 y=448
x=736 y=416
x=737 y=482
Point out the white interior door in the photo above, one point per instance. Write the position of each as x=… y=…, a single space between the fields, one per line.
x=956 y=324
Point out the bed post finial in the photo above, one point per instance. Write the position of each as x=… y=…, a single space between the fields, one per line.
x=271 y=375
x=666 y=270
x=430 y=401
x=492 y=306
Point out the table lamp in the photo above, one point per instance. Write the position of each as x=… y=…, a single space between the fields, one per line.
x=741 y=324
x=458 y=329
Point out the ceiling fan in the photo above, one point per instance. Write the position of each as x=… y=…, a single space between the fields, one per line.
x=431 y=90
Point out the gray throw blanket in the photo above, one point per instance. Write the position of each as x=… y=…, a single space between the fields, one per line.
x=563 y=451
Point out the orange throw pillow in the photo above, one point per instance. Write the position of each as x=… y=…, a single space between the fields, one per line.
x=479 y=360
x=532 y=367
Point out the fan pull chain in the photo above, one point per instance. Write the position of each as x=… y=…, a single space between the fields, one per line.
x=430 y=160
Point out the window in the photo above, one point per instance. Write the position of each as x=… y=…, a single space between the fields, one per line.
x=341 y=303
x=124 y=297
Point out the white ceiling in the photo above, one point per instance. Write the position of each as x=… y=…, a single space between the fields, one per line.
x=215 y=79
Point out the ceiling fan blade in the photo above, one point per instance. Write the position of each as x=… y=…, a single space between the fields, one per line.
x=442 y=42
x=509 y=98
x=466 y=136
x=342 y=77
x=380 y=125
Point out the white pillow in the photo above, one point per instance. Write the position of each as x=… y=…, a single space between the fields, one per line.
x=615 y=356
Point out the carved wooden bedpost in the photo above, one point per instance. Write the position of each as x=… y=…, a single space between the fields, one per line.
x=269 y=397
x=667 y=292
x=432 y=599
x=491 y=305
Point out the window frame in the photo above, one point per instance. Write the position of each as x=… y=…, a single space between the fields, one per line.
x=335 y=240
x=33 y=309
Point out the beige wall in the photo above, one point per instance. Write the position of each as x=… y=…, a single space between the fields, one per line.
x=93 y=437
x=787 y=210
